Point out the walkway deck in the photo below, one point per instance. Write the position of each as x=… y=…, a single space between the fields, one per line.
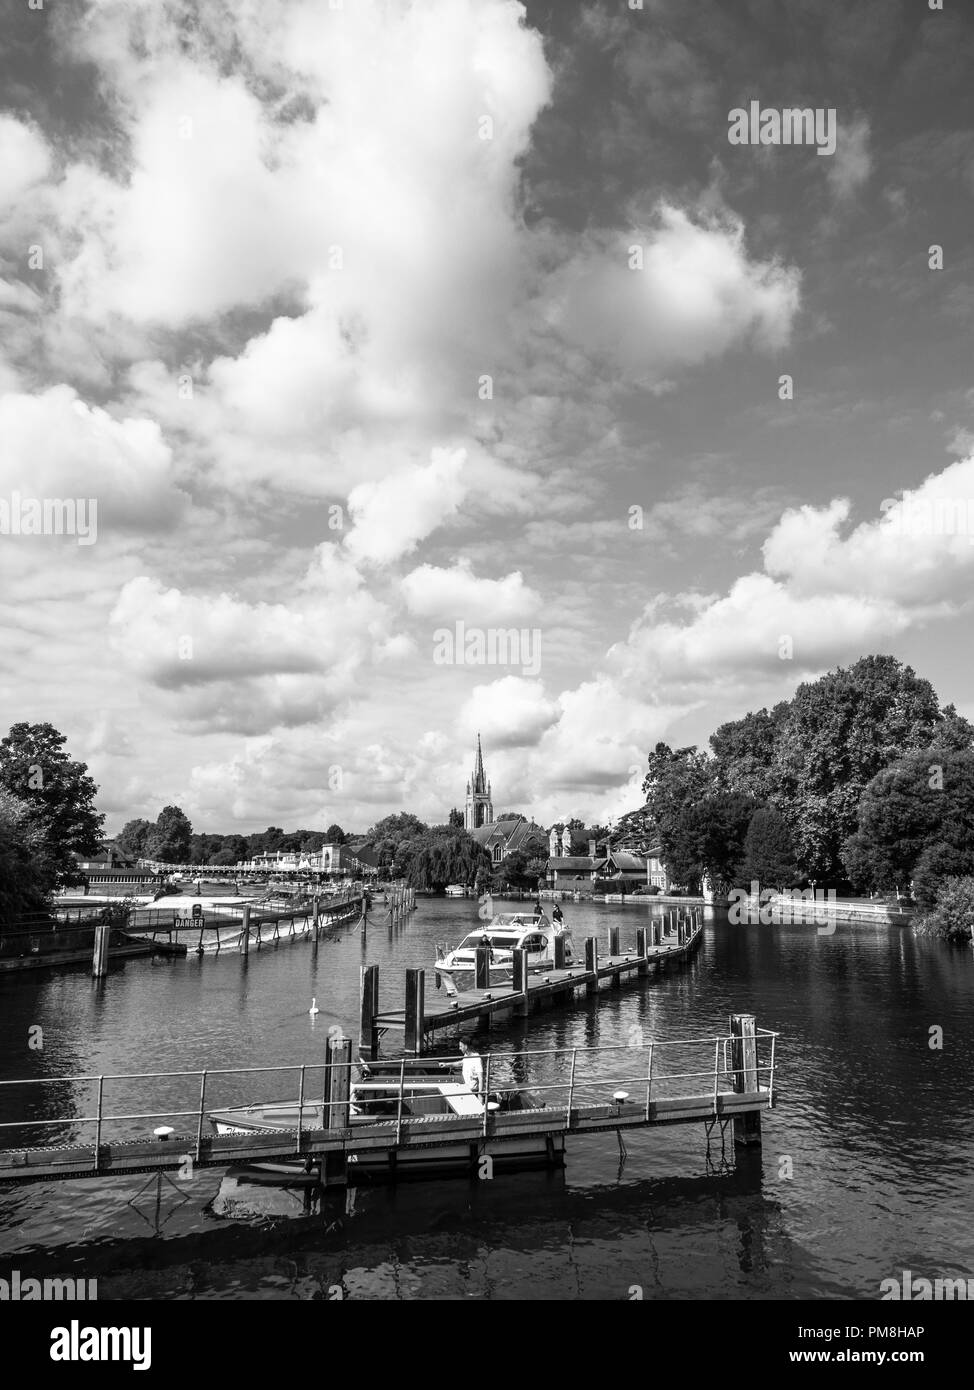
x=572 y=1091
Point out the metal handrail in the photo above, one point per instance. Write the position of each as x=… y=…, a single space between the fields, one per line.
x=573 y=1085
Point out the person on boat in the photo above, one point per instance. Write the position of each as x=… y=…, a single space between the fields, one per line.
x=485 y=941
x=557 y=916
x=472 y=1067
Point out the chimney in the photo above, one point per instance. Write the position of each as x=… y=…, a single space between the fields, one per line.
x=591 y=849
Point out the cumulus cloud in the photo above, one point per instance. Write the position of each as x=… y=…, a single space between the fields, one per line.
x=512 y=712
x=392 y=516
x=55 y=445
x=245 y=666
x=697 y=293
x=433 y=592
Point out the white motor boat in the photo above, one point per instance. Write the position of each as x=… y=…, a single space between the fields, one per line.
x=530 y=931
x=456 y=890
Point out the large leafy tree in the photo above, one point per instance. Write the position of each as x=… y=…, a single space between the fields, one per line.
x=744 y=752
x=389 y=837
x=675 y=781
x=58 y=793
x=27 y=873
x=526 y=865
x=840 y=732
x=442 y=855
x=170 y=837
x=708 y=838
x=334 y=835
x=769 y=854
x=131 y=839
x=915 y=820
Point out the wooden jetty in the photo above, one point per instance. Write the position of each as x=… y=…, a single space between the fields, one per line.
x=659 y=945
x=247 y=927
x=719 y=1081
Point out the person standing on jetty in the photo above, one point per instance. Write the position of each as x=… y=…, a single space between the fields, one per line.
x=472 y=1068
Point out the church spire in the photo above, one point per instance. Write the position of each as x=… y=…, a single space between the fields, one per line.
x=479 y=808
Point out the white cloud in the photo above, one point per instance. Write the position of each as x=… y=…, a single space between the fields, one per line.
x=512 y=712
x=851 y=164
x=393 y=515
x=433 y=592
x=697 y=294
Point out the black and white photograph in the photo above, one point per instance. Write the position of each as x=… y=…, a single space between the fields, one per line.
x=486 y=678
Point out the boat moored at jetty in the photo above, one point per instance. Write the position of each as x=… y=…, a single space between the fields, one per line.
x=400 y=1091
x=530 y=931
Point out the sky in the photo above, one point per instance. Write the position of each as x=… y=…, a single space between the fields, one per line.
x=350 y=321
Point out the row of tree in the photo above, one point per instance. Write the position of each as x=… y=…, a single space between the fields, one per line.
x=860 y=781
x=172 y=840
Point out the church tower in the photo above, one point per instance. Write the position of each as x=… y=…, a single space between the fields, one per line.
x=479 y=809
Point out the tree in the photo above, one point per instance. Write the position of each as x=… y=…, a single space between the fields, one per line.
x=525 y=865
x=169 y=839
x=708 y=838
x=744 y=752
x=440 y=856
x=335 y=835
x=58 y=793
x=840 y=732
x=915 y=821
x=675 y=781
x=389 y=836
x=27 y=874
x=951 y=916
x=131 y=839
x=769 y=855
x=456 y=818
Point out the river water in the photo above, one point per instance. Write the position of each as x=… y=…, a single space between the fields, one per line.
x=866 y=1169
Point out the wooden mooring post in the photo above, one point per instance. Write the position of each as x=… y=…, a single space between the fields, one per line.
x=333 y=1167
x=368 y=1008
x=520 y=981
x=642 y=950
x=613 y=941
x=744 y=1065
x=415 y=1009
x=99 y=963
x=245 y=931
x=482 y=968
x=592 y=965
x=559 y=951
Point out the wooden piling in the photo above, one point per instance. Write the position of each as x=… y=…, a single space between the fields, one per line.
x=657 y=932
x=642 y=950
x=592 y=965
x=613 y=941
x=368 y=1008
x=415 y=1008
x=338 y=1056
x=559 y=950
x=245 y=930
x=99 y=962
x=482 y=968
x=744 y=1064
x=520 y=981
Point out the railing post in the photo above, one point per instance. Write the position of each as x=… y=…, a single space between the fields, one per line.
x=300 y=1106
x=402 y=1083
x=716 y=1064
x=649 y=1081
x=571 y=1090
x=101 y=1087
x=199 y=1127
x=486 y=1094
